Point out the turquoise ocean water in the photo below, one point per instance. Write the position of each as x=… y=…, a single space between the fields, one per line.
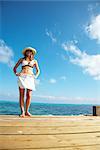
x=12 y=108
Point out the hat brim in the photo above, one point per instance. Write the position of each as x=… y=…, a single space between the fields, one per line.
x=29 y=48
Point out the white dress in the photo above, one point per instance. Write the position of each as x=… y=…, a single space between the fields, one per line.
x=27 y=81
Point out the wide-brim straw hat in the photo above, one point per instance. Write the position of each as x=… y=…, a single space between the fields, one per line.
x=29 y=48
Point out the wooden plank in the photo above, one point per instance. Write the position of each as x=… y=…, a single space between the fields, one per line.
x=50 y=124
x=89 y=147
x=48 y=141
x=52 y=133
x=48 y=130
x=49 y=121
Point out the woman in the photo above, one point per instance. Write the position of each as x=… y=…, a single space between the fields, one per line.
x=26 y=78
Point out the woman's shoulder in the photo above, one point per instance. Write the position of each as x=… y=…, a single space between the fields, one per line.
x=35 y=61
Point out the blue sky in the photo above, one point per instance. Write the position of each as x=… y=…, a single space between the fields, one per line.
x=66 y=36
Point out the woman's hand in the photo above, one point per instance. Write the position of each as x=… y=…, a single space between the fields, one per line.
x=18 y=74
x=36 y=76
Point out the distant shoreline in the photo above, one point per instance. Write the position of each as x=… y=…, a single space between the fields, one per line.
x=51 y=103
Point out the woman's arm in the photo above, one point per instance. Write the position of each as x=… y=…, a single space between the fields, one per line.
x=17 y=64
x=37 y=69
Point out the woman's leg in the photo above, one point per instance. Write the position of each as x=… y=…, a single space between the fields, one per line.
x=28 y=100
x=21 y=101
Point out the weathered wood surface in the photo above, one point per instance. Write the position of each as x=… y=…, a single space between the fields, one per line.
x=49 y=133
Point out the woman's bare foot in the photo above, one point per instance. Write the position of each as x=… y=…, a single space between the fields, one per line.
x=28 y=114
x=22 y=115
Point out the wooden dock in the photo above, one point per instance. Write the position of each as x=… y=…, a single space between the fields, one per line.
x=49 y=133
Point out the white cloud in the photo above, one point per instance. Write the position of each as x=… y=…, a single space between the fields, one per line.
x=90 y=7
x=8 y=95
x=64 y=57
x=6 y=54
x=65 y=99
x=52 y=99
x=89 y=63
x=50 y=34
x=52 y=80
x=70 y=46
x=93 y=7
x=93 y=28
x=63 y=77
x=45 y=96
